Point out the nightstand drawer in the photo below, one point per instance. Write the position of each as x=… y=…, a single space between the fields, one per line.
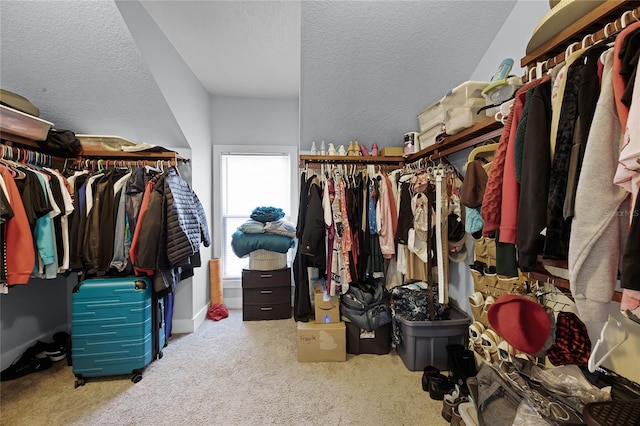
x=266 y=296
x=270 y=312
x=261 y=279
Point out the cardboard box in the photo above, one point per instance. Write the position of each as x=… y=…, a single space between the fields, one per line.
x=321 y=342
x=326 y=308
x=392 y=151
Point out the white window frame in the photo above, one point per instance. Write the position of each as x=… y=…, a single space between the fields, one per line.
x=292 y=209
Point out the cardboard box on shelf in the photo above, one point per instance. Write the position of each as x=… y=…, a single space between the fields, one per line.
x=392 y=151
x=321 y=342
x=326 y=308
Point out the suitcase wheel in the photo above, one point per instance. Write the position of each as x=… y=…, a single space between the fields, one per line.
x=136 y=378
x=160 y=355
x=79 y=381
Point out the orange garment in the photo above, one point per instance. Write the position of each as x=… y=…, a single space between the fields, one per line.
x=20 y=252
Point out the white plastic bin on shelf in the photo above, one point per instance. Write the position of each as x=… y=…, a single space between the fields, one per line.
x=431 y=116
x=21 y=124
x=428 y=137
x=499 y=92
x=460 y=118
x=460 y=95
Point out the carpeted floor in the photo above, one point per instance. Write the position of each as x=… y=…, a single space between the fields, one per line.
x=229 y=373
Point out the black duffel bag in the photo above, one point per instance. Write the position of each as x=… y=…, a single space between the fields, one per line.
x=61 y=143
x=366 y=305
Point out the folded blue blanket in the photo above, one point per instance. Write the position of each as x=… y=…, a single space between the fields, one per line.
x=267 y=214
x=242 y=244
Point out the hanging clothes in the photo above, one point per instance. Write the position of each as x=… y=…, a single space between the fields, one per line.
x=598 y=234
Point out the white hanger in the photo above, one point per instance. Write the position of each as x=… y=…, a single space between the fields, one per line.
x=593 y=364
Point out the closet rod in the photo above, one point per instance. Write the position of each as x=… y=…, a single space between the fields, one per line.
x=306 y=160
x=590 y=39
x=100 y=163
x=23 y=155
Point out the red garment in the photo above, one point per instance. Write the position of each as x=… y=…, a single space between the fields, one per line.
x=20 y=252
x=217 y=311
x=133 y=250
x=619 y=83
x=510 y=185
x=492 y=200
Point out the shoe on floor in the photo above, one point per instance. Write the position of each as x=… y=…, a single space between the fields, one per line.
x=429 y=372
x=56 y=351
x=25 y=366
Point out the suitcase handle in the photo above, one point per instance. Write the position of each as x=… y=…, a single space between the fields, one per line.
x=266 y=309
x=266 y=291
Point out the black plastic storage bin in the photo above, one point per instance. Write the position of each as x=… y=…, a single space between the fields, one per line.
x=361 y=341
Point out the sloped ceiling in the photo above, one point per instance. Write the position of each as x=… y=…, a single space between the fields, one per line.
x=77 y=61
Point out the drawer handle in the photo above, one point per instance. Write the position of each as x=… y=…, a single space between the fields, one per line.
x=266 y=291
x=266 y=309
x=266 y=275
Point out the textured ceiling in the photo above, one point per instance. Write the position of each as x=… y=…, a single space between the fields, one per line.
x=77 y=61
x=236 y=48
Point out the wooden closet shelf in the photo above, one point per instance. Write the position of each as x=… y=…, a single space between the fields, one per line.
x=552 y=262
x=481 y=132
x=22 y=142
x=591 y=23
x=541 y=274
x=351 y=159
x=475 y=135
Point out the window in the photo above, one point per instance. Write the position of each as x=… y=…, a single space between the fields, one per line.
x=248 y=180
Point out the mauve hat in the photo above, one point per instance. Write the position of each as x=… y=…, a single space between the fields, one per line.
x=523 y=323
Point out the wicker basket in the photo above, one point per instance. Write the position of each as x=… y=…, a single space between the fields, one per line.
x=265 y=260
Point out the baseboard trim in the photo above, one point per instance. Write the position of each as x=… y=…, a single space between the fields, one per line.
x=186 y=326
x=233 y=302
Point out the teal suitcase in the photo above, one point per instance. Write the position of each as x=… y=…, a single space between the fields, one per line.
x=114 y=328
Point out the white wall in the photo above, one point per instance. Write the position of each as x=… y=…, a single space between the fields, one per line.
x=368 y=68
x=254 y=121
x=250 y=124
x=189 y=102
x=511 y=41
x=34 y=311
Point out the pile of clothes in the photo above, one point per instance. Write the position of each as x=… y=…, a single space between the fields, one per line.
x=265 y=230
